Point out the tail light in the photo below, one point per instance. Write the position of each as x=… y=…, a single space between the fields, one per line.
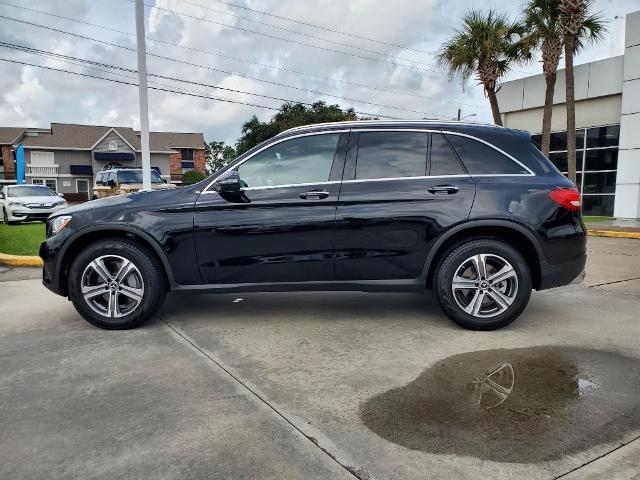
x=568 y=198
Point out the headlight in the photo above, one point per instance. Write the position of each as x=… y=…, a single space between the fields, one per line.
x=57 y=224
x=17 y=204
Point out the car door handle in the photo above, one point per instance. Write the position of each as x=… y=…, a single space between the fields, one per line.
x=446 y=189
x=314 y=195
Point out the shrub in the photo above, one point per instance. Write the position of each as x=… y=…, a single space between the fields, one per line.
x=192 y=176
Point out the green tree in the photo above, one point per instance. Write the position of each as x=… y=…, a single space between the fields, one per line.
x=541 y=20
x=218 y=155
x=290 y=115
x=578 y=25
x=192 y=176
x=485 y=46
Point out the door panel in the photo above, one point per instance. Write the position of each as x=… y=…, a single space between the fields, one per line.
x=385 y=227
x=280 y=227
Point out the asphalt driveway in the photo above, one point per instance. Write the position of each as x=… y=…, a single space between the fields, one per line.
x=326 y=385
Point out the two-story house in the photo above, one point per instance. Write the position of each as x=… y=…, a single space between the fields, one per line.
x=67 y=157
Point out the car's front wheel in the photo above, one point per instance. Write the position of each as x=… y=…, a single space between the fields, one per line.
x=483 y=284
x=116 y=284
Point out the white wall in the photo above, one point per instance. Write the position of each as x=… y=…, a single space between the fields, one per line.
x=627 y=203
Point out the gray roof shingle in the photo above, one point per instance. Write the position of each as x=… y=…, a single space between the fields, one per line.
x=64 y=135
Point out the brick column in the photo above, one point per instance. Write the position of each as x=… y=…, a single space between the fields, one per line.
x=175 y=166
x=199 y=161
x=9 y=163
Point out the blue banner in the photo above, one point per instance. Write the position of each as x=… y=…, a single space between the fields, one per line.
x=20 y=165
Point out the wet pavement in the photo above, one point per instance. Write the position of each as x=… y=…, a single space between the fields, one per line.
x=326 y=385
x=525 y=405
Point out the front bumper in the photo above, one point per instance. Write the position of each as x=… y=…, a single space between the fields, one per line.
x=20 y=213
x=50 y=253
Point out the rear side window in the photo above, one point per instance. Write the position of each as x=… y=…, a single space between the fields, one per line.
x=481 y=159
x=391 y=155
x=444 y=161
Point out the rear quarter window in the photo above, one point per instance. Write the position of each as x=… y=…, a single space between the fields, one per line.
x=481 y=159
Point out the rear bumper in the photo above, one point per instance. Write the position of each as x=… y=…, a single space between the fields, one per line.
x=563 y=273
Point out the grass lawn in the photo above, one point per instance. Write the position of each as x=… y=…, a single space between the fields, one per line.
x=21 y=239
x=592 y=219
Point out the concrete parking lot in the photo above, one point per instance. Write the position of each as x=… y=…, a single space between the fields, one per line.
x=326 y=385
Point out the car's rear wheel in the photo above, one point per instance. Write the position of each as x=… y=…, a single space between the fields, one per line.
x=116 y=284
x=483 y=284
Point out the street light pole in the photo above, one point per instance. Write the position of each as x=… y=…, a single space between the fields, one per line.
x=142 y=94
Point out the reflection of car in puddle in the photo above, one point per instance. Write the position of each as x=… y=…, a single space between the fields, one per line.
x=495 y=387
x=512 y=405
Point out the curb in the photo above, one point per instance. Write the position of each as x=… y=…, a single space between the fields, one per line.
x=612 y=234
x=20 y=260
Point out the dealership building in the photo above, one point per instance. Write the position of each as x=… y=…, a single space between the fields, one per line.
x=607 y=125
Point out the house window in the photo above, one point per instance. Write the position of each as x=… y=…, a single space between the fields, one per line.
x=187 y=166
x=186 y=154
x=52 y=183
x=42 y=158
x=113 y=145
x=596 y=165
x=1 y=159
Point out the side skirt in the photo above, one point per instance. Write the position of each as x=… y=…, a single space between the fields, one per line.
x=408 y=285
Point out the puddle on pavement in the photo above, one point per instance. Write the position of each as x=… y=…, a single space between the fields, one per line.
x=524 y=405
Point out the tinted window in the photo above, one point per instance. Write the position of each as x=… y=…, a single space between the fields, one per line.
x=299 y=160
x=391 y=155
x=443 y=160
x=603 y=136
x=481 y=159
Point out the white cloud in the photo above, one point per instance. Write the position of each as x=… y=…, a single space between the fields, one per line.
x=37 y=97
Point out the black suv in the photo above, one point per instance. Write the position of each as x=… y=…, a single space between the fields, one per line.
x=474 y=212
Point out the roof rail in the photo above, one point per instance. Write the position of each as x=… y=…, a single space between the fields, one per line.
x=388 y=122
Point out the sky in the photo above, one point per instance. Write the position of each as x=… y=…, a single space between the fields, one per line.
x=376 y=56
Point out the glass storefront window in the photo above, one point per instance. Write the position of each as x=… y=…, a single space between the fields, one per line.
x=559 y=159
x=559 y=140
x=606 y=159
x=603 y=136
x=598 y=205
x=599 y=182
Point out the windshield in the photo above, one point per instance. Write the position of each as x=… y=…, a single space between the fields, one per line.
x=30 y=191
x=135 y=176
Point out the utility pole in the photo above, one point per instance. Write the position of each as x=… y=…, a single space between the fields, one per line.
x=459 y=113
x=142 y=94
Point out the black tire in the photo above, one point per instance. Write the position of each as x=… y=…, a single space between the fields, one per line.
x=149 y=268
x=455 y=258
x=5 y=217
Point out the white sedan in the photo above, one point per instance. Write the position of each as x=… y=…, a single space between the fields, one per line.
x=28 y=202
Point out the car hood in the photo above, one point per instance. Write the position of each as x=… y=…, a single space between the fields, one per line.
x=38 y=199
x=143 y=199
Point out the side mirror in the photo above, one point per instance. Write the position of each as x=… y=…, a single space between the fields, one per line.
x=164 y=180
x=229 y=182
x=111 y=184
x=60 y=194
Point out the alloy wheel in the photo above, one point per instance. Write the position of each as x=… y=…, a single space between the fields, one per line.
x=485 y=285
x=112 y=286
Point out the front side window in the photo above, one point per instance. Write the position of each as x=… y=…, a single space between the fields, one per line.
x=299 y=160
x=481 y=159
x=391 y=155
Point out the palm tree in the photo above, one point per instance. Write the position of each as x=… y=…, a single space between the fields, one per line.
x=485 y=47
x=578 y=24
x=542 y=23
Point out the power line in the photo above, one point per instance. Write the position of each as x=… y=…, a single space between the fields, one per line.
x=61 y=57
x=355 y=55
x=315 y=92
x=209 y=97
x=309 y=35
x=208 y=52
x=328 y=29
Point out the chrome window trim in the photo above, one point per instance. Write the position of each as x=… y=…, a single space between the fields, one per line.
x=426 y=130
x=236 y=165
